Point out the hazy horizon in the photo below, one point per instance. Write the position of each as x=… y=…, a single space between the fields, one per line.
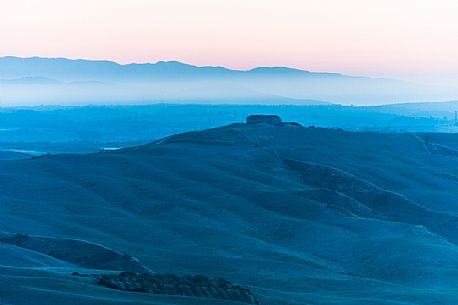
x=445 y=80
x=405 y=49
x=60 y=81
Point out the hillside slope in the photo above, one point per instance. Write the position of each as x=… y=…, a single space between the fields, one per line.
x=298 y=215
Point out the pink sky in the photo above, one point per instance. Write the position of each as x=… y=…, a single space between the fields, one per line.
x=395 y=38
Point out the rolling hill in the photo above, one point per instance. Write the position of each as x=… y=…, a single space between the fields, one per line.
x=296 y=215
x=63 y=129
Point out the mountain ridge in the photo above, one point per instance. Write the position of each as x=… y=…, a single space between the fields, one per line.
x=158 y=67
x=162 y=80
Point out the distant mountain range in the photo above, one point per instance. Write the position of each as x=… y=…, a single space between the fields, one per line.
x=66 y=81
x=69 y=70
x=29 y=81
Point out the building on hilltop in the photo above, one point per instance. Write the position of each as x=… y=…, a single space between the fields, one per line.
x=261 y=118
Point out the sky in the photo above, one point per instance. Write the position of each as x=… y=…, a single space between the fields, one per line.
x=407 y=39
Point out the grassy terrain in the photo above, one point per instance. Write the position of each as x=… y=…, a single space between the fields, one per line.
x=298 y=215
